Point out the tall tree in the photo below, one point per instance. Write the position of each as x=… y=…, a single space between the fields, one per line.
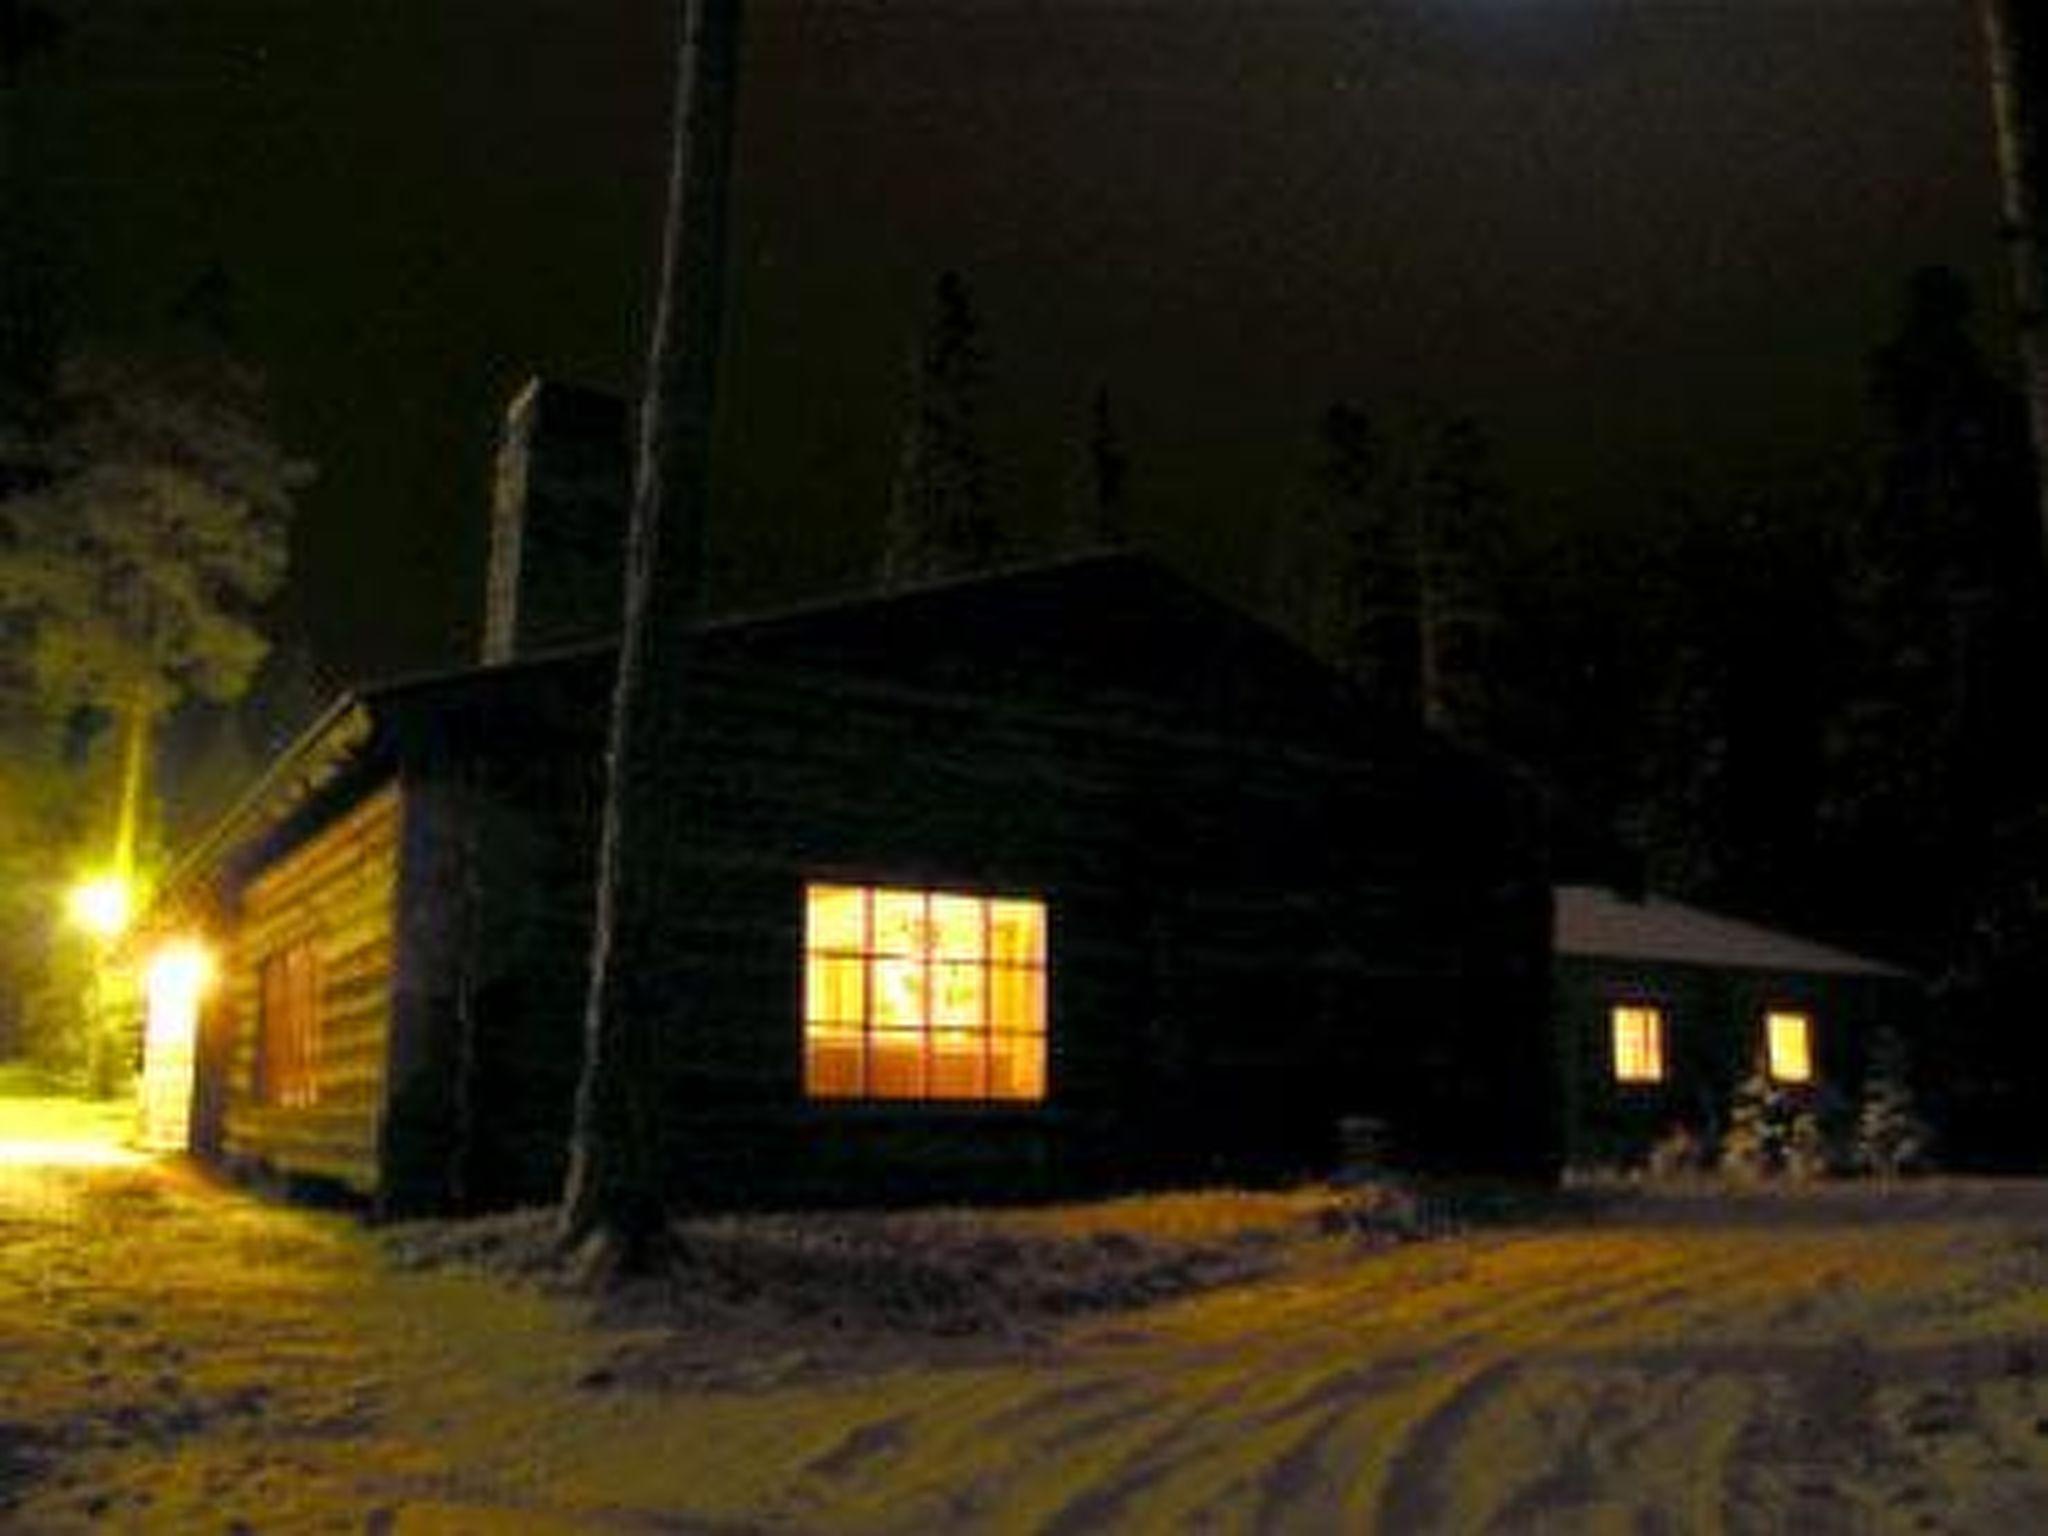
x=1456 y=535
x=135 y=561
x=1342 y=569
x=1390 y=569
x=1929 y=605
x=1728 y=761
x=1935 y=822
x=1102 y=502
x=940 y=519
x=27 y=298
x=43 y=821
x=617 y=1200
x=2016 y=44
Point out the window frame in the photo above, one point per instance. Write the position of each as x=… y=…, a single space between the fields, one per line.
x=284 y=1066
x=1658 y=1019
x=1010 y=1069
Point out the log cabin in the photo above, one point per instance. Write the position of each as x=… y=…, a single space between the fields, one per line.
x=1663 y=1008
x=1064 y=878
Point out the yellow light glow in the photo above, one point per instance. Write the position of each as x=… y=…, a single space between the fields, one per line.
x=177 y=975
x=915 y=994
x=1017 y=932
x=175 y=979
x=1788 y=1039
x=54 y=1153
x=102 y=905
x=838 y=918
x=1638 y=1043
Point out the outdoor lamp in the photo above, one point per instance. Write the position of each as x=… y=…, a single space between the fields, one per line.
x=101 y=905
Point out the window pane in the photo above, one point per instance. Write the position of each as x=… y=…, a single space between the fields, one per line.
x=1017 y=932
x=899 y=993
x=958 y=926
x=959 y=1066
x=959 y=994
x=912 y=994
x=832 y=1063
x=1016 y=998
x=1789 y=1041
x=899 y=923
x=836 y=918
x=896 y=1065
x=835 y=989
x=1017 y=1067
x=1638 y=1043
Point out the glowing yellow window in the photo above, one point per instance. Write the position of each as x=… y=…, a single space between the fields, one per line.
x=1788 y=1042
x=1638 y=1043
x=914 y=994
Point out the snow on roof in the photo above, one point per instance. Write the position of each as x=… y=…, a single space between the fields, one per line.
x=1594 y=921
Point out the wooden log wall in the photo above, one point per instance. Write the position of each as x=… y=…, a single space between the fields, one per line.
x=336 y=892
x=1713 y=1039
x=1263 y=917
x=1247 y=943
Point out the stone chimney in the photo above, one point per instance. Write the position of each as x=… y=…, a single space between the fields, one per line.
x=558 y=522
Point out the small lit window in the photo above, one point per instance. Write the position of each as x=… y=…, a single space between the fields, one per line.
x=1788 y=1042
x=1638 y=1043
x=287 y=1067
x=922 y=995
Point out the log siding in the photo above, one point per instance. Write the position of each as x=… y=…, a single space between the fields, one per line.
x=1267 y=909
x=336 y=892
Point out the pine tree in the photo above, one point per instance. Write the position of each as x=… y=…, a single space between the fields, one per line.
x=1934 y=825
x=2016 y=47
x=138 y=567
x=1812 y=1142
x=1759 y=1125
x=1389 y=571
x=135 y=567
x=1890 y=1137
x=1102 y=508
x=940 y=520
x=1923 y=744
x=1457 y=537
x=1341 y=572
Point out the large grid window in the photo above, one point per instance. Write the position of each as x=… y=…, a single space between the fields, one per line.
x=1788 y=1046
x=1638 y=1031
x=914 y=994
x=287 y=1068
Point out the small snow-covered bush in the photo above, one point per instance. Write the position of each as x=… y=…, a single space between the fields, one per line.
x=1778 y=1132
x=1759 y=1129
x=1812 y=1151
x=1890 y=1137
x=1679 y=1153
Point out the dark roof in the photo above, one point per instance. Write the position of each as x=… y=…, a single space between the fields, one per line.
x=1137 y=635
x=1141 y=633
x=1594 y=922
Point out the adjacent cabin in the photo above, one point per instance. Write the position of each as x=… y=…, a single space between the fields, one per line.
x=1662 y=1008
x=1058 y=879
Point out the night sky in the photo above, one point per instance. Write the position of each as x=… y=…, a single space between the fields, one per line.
x=1650 y=243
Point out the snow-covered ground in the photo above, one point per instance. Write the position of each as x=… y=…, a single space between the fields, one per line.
x=177 y=1357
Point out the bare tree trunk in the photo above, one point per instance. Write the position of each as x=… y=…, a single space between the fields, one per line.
x=2014 y=44
x=617 y=1200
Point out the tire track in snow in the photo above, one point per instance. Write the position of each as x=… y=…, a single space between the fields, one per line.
x=1412 y=1498
x=1306 y=1437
